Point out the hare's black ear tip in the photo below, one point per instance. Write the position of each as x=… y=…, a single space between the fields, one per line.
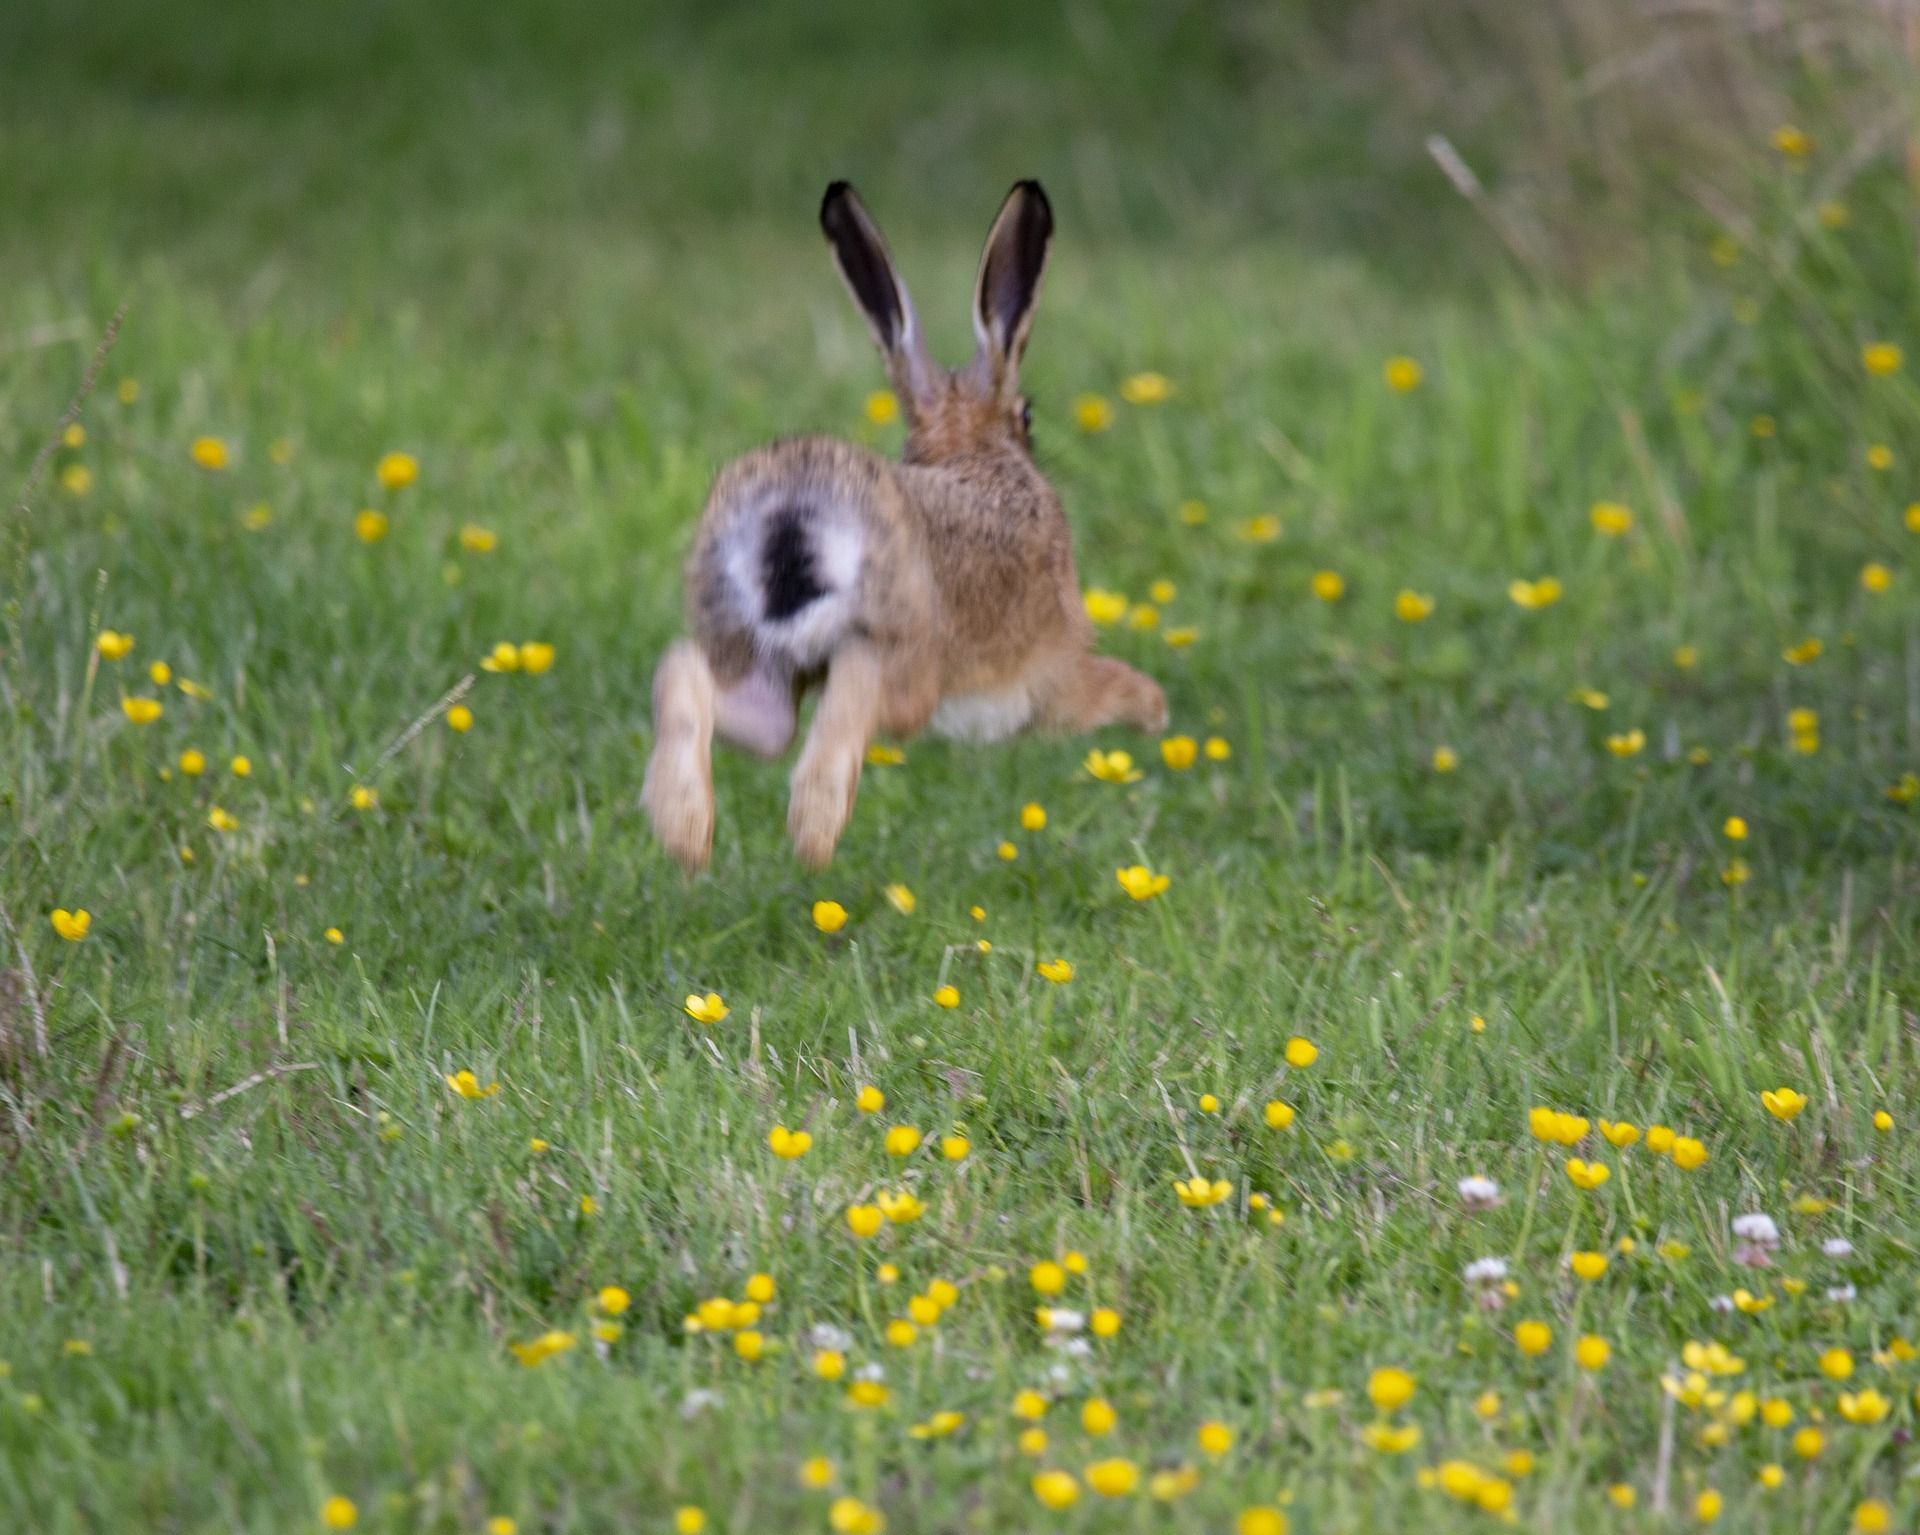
x=835 y=194
x=1037 y=208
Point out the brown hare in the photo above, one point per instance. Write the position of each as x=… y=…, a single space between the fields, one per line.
x=936 y=593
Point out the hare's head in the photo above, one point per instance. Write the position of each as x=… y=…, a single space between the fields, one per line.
x=978 y=408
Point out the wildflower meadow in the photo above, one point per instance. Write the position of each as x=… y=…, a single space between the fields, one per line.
x=1465 y=1073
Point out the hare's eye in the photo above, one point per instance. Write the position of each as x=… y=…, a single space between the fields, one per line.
x=1026 y=418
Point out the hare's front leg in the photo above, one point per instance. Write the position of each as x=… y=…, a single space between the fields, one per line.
x=678 y=792
x=828 y=772
x=1088 y=691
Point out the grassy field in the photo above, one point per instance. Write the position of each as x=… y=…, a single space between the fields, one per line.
x=1567 y=706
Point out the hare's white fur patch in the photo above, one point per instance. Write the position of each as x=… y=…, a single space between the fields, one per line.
x=989 y=716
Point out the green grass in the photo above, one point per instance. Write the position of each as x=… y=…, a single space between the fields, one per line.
x=573 y=279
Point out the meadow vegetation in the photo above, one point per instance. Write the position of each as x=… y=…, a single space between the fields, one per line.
x=1465 y=1073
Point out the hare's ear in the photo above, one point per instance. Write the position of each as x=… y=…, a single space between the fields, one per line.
x=1008 y=285
x=862 y=257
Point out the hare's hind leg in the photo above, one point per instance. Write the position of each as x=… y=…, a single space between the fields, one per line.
x=828 y=772
x=678 y=792
x=1089 y=691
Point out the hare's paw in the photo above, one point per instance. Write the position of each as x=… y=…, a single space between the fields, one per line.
x=678 y=793
x=678 y=796
x=824 y=784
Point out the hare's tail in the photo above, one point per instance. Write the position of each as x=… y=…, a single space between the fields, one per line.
x=792 y=565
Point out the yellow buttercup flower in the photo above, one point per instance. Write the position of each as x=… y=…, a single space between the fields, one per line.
x=1147 y=389
x=112 y=644
x=1881 y=358
x=71 y=925
x=1783 y=1102
x=829 y=916
x=1033 y=817
x=882 y=406
x=1301 y=1053
x=1412 y=607
x=1059 y=971
x=1402 y=374
x=1445 y=759
x=1627 y=743
x=788 y=1144
x=1263 y=529
x=1214 y=1439
x=1610 y=518
x=1587 y=1175
x=1113 y=1478
x=210 y=453
x=339 y=1513
x=459 y=719
x=1533 y=595
x=1391 y=1439
x=396 y=471
x=1875 y=577
x=1198 y=1193
x=1592 y=1352
x=362 y=797
x=946 y=996
x=1328 y=585
x=547 y=1346
x=222 y=820
x=1179 y=752
x=1390 y=1388
x=903 y=1140
x=1092 y=413
x=536 y=656
x=1140 y=882
x=1056 y=1489
x=142 y=711
x=467 y=1085
x=1792 y=142
x=1113 y=766
x=1532 y=1338
x=706 y=1009
x=1105 y=608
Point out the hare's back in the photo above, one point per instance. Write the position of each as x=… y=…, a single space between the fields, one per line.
x=1002 y=559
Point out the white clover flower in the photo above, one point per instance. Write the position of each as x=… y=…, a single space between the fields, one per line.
x=1757 y=1228
x=1060 y=1319
x=1722 y=1304
x=1837 y=1247
x=1841 y=1293
x=1486 y=1271
x=1478 y=1193
x=873 y=1370
x=698 y=1401
x=824 y=1335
